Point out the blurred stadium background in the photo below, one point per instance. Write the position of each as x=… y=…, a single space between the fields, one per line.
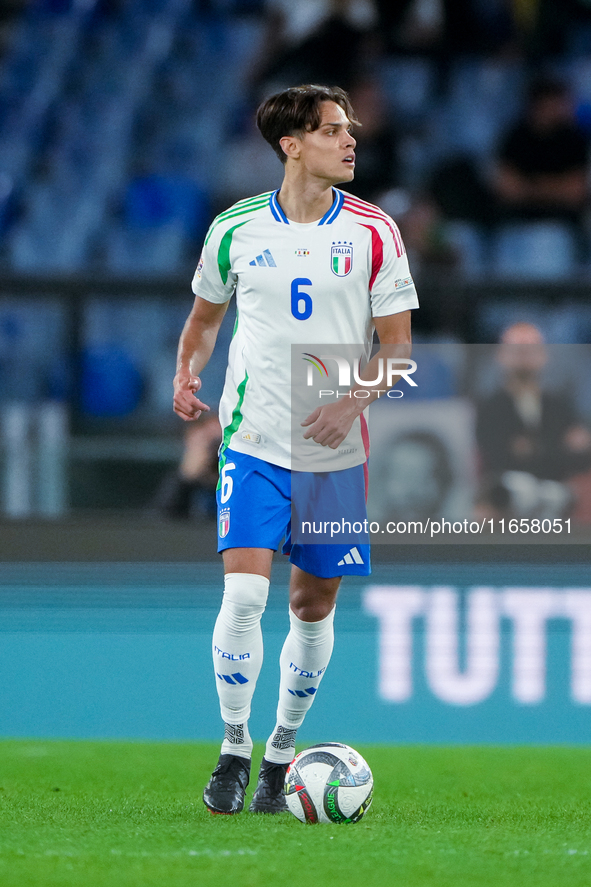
x=125 y=125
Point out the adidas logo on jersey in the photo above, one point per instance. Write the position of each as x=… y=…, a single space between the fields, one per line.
x=352 y=557
x=265 y=260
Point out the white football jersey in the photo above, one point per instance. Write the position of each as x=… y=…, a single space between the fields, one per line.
x=320 y=282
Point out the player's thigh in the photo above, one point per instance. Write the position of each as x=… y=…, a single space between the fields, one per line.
x=254 y=505
x=248 y=560
x=330 y=497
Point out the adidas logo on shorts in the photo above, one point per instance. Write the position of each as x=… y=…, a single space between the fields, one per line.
x=352 y=557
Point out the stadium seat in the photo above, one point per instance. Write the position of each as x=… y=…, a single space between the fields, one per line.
x=409 y=85
x=159 y=249
x=470 y=243
x=543 y=250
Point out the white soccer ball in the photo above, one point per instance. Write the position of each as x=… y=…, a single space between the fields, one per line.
x=330 y=782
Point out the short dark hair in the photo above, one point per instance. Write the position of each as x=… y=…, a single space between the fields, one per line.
x=297 y=110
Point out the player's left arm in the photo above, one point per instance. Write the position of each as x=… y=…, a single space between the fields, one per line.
x=329 y=424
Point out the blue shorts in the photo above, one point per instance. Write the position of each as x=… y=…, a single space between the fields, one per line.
x=254 y=500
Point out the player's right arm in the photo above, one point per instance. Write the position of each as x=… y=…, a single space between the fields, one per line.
x=195 y=348
x=213 y=284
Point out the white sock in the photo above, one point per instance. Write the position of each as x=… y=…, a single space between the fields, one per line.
x=238 y=655
x=304 y=659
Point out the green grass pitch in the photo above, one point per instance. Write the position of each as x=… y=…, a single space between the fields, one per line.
x=124 y=814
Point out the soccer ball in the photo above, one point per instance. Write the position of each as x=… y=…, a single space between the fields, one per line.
x=329 y=783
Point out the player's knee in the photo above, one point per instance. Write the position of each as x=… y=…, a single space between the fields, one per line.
x=246 y=590
x=311 y=598
x=309 y=609
x=313 y=613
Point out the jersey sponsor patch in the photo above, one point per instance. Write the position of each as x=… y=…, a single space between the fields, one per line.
x=199 y=268
x=251 y=437
x=403 y=281
x=341 y=258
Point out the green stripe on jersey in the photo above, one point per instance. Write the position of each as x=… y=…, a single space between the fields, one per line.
x=261 y=199
x=224 y=263
x=239 y=209
x=233 y=426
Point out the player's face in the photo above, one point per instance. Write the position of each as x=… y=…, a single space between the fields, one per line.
x=328 y=152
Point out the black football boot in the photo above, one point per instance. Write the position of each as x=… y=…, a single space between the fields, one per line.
x=269 y=796
x=224 y=793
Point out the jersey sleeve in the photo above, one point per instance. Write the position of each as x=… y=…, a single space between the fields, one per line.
x=391 y=286
x=214 y=279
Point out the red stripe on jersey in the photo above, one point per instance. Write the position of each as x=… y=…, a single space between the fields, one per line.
x=365 y=439
x=364 y=210
x=369 y=211
x=370 y=208
x=377 y=253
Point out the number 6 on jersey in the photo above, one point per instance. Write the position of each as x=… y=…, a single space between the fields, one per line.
x=297 y=296
x=227 y=482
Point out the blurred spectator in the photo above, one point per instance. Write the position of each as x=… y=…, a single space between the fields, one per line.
x=376 y=157
x=470 y=26
x=416 y=26
x=314 y=41
x=446 y=28
x=391 y=19
x=189 y=490
x=434 y=256
x=467 y=207
x=417 y=478
x=547 y=28
x=530 y=440
x=461 y=192
x=542 y=163
x=423 y=229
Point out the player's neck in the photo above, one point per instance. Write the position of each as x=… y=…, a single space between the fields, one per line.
x=305 y=201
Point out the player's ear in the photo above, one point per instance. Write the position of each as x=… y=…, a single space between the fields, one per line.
x=291 y=146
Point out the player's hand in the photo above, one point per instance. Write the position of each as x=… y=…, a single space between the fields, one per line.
x=186 y=404
x=330 y=424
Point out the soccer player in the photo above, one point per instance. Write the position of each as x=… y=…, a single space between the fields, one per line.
x=282 y=254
